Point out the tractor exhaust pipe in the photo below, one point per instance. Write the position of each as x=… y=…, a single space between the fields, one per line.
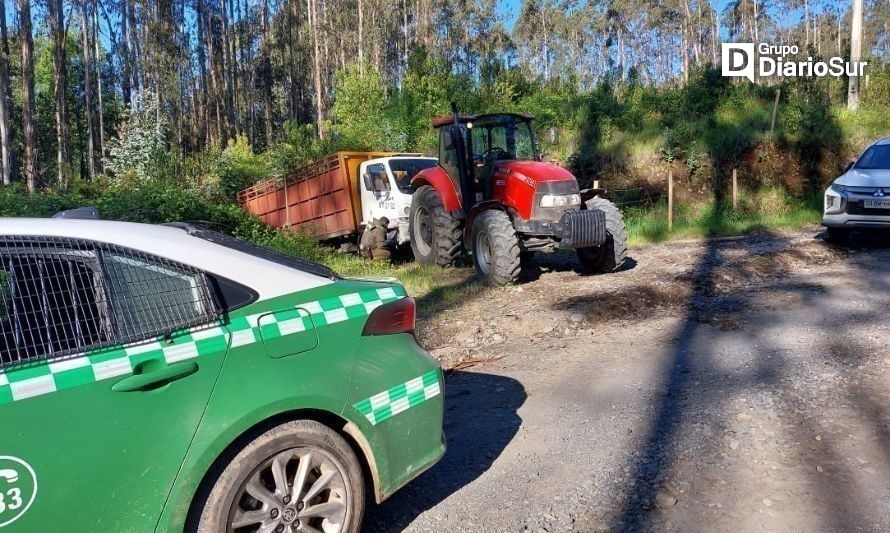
x=467 y=190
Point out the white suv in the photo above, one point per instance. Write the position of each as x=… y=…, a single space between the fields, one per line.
x=860 y=197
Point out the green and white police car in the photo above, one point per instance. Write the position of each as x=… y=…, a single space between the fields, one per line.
x=170 y=378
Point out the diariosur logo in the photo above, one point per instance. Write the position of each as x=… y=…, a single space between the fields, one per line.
x=745 y=60
x=18 y=488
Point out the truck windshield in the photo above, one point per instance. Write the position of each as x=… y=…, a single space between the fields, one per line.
x=495 y=138
x=404 y=170
x=876 y=157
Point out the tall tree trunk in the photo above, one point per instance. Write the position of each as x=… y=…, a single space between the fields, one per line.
x=99 y=108
x=267 y=74
x=204 y=128
x=361 y=38
x=88 y=88
x=319 y=96
x=227 y=71
x=125 y=54
x=855 y=54
x=5 y=122
x=806 y=22
x=28 y=96
x=135 y=48
x=60 y=85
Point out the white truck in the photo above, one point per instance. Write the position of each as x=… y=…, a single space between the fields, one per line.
x=386 y=189
x=337 y=196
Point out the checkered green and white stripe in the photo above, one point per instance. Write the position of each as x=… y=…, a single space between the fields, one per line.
x=46 y=377
x=320 y=313
x=402 y=397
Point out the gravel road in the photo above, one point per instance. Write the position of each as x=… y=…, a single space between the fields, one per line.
x=720 y=385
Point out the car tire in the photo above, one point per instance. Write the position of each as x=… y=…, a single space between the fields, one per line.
x=435 y=235
x=495 y=248
x=838 y=235
x=256 y=488
x=611 y=255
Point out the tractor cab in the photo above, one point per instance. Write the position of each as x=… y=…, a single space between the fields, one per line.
x=472 y=145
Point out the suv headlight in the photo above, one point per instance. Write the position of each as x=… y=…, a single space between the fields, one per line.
x=560 y=200
x=837 y=187
x=835 y=199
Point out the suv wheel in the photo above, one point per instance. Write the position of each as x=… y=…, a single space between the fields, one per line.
x=299 y=476
x=839 y=235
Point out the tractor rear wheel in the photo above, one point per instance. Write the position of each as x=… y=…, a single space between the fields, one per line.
x=495 y=248
x=435 y=235
x=609 y=256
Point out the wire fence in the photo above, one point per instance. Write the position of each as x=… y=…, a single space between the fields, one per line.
x=636 y=196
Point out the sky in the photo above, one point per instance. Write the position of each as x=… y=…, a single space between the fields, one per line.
x=510 y=9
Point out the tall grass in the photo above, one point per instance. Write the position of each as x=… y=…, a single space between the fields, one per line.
x=759 y=210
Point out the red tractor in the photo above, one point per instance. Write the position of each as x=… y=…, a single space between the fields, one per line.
x=491 y=194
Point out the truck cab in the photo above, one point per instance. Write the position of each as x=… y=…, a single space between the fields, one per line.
x=386 y=189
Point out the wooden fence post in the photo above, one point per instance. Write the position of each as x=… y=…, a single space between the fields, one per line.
x=735 y=190
x=670 y=199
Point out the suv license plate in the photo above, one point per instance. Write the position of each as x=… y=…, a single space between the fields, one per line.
x=876 y=204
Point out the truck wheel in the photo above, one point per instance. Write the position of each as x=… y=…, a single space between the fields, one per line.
x=435 y=235
x=299 y=476
x=609 y=256
x=495 y=248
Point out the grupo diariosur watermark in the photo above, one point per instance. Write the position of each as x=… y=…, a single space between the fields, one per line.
x=740 y=60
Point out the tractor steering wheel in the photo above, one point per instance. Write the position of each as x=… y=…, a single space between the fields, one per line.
x=495 y=153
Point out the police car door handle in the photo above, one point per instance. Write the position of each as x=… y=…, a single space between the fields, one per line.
x=156 y=378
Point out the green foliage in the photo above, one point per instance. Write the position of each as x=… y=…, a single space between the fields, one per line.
x=139 y=153
x=238 y=167
x=360 y=111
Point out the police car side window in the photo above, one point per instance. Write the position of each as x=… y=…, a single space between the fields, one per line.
x=51 y=302
x=63 y=297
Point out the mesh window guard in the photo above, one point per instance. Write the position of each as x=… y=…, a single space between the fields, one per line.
x=61 y=297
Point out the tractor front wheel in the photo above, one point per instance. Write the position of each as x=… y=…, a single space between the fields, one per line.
x=435 y=235
x=495 y=248
x=609 y=256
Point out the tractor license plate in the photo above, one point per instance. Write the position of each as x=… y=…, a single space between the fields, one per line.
x=876 y=204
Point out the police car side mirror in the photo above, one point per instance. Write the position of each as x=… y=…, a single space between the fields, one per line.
x=849 y=166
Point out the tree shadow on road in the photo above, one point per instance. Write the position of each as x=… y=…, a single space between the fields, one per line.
x=691 y=368
x=480 y=421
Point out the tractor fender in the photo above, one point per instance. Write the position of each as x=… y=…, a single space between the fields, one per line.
x=481 y=207
x=587 y=194
x=438 y=179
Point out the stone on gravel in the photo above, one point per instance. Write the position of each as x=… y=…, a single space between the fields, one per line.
x=663 y=500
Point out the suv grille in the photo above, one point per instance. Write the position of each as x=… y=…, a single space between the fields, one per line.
x=855 y=208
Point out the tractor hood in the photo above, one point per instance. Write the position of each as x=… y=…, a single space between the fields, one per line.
x=537 y=171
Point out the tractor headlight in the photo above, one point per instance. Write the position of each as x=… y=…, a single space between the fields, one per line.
x=560 y=200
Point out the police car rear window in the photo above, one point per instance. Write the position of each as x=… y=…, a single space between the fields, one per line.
x=256 y=250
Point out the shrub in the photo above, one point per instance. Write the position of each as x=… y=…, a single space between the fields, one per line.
x=139 y=152
x=238 y=167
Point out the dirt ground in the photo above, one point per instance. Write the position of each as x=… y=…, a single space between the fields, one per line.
x=713 y=385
